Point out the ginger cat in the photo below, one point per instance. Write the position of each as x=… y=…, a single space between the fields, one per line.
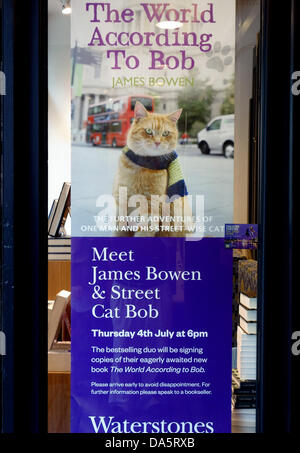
x=149 y=169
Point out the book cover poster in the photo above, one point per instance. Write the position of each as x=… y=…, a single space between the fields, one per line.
x=174 y=57
x=241 y=236
x=152 y=189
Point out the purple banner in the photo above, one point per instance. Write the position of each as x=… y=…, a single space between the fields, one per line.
x=151 y=335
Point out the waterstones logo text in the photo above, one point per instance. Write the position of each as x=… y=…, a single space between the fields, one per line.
x=108 y=424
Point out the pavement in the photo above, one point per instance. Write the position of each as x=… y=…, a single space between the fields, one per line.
x=94 y=168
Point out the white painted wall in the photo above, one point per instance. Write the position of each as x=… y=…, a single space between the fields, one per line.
x=59 y=100
x=247 y=28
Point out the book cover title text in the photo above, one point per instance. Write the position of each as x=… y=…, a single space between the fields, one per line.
x=163 y=16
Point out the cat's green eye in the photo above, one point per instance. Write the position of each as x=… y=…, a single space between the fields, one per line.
x=149 y=131
x=165 y=133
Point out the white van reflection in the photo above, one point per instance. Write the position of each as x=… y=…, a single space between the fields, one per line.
x=218 y=136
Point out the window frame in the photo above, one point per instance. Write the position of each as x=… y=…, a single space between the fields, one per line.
x=25 y=67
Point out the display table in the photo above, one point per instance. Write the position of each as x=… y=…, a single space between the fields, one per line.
x=59 y=361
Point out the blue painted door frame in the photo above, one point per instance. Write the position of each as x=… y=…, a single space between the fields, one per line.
x=24 y=217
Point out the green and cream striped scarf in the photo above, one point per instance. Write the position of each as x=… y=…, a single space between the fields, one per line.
x=169 y=162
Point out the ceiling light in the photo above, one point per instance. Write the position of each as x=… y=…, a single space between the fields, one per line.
x=169 y=24
x=66 y=7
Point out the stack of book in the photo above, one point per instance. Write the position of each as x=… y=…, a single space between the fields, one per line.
x=246 y=338
x=59 y=249
x=59 y=245
x=238 y=255
x=59 y=212
x=243 y=404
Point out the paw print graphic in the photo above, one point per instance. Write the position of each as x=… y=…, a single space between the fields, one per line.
x=219 y=57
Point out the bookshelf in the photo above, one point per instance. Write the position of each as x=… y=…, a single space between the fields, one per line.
x=59 y=278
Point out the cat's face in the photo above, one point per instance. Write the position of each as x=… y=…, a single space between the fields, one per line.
x=152 y=134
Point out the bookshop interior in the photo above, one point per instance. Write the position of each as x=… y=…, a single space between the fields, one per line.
x=61 y=121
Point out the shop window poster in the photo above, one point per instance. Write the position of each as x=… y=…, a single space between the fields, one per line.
x=241 y=236
x=152 y=189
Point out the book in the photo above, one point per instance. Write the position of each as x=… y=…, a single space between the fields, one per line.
x=247 y=278
x=59 y=250
x=245 y=338
x=248 y=347
x=239 y=384
x=245 y=391
x=61 y=346
x=248 y=327
x=59 y=256
x=243 y=385
x=244 y=429
x=247 y=364
x=247 y=372
x=56 y=312
x=245 y=405
x=50 y=308
x=248 y=315
x=251 y=398
x=66 y=324
x=59 y=361
x=246 y=354
x=64 y=241
x=244 y=414
x=61 y=211
x=51 y=213
x=244 y=419
x=248 y=302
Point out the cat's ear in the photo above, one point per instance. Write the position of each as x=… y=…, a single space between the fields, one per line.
x=175 y=115
x=139 y=111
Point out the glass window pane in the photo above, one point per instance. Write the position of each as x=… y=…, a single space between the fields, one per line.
x=92 y=106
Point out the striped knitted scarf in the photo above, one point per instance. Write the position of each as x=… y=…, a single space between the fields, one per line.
x=169 y=162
